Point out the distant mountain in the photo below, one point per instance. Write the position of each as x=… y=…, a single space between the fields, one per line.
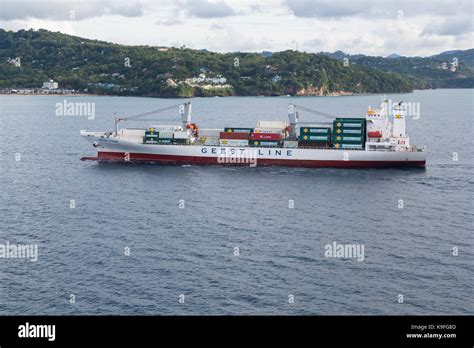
x=450 y=69
x=393 y=56
x=107 y=68
x=449 y=52
x=464 y=57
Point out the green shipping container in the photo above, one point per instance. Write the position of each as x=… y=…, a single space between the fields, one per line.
x=238 y=130
x=348 y=146
x=315 y=138
x=349 y=119
x=315 y=130
x=352 y=146
x=264 y=143
x=350 y=131
x=358 y=123
x=342 y=139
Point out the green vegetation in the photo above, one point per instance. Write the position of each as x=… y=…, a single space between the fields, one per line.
x=105 y=68
x=425 y=72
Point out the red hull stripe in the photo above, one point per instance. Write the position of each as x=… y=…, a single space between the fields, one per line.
x=168 y=159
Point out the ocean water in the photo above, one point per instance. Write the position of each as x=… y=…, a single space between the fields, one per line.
x=83 y=216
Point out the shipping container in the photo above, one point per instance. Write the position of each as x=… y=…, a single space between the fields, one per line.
x=348 y=139
x=268 y=130
x=132 y=132
x=264 y=143
x=238 y=130
x=341 y=139
x=211 y=141
x=181 y=135
x=165 y=135
x=349 y=123
x=350 y=119
x=349 y=146
x=290 y=144
x=181 y=141
x=359 y=131
x=265 y=136
x=316 y=138
x=352 y=146
x=160 y=128
x=236 y=135
x=315 y=130
x=151 y=130
x=233 y=142
x=272 y=124
x=313 y=145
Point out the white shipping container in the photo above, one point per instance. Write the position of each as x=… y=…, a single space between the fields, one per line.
x=181 y=135
x=166 y=128
x=233 y=142
x=268 y=130
x=210 y=132
x=211 y=141
x=290 y=144
x=131 y=132
x=272 y=124
x=165 y=135
x=208 y=138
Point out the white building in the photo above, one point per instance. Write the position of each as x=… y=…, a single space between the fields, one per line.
x=276 y=78
x=14 y=61
x=218 y=80
x=50 y=85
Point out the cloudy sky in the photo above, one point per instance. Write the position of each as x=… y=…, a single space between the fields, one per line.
x=375 y=27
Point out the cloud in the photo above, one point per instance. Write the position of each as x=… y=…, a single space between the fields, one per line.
x=215 y=26
x=75 y=10
x=311 y=8
x=449 y=27
x=206 y=9
x=377 y=9
x=373 y=27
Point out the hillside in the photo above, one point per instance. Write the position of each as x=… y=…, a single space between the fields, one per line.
x=424 y=72
x=107 y=68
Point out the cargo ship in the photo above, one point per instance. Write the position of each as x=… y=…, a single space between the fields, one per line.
x=378 y=140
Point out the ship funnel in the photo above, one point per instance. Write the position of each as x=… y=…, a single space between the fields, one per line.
x=186 y=116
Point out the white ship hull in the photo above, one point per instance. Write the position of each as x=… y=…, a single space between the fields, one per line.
x=112 y=149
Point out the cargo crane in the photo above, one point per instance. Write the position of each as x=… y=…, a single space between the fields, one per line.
x=293 y=117
x=184 y=110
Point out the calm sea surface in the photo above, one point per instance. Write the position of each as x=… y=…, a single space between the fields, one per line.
x=191 y=251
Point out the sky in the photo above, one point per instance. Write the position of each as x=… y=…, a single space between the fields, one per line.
x=372 y=27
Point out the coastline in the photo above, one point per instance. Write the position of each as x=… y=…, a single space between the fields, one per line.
x=230 y=96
